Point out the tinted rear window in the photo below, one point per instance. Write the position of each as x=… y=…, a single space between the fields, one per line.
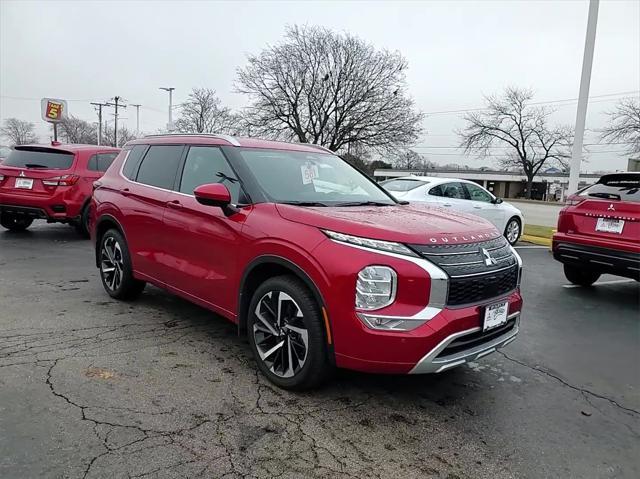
x=402 y=185
x=39 y=158
x=160 y=165
x=130 y=168
x=615 y=187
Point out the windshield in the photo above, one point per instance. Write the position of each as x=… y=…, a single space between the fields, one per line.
x=39 y=158
x=315 y=179
x=615 y=187
x=402 y=185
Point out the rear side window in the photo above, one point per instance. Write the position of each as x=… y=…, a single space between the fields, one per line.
x=402 y=185
x=101 y=161
x=615 y=187
x=133 y=161
x=205 y=164
x=48 y=158
x=160 y=165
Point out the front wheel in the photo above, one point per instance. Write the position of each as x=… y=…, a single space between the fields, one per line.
x=116 y=270
x=580 y=276
x=15 y=222
x=286 y=334
x=512 y=231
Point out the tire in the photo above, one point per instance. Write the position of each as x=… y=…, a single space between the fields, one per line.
x=580 y=276
x=82 y=226
x=294 y=365
x=15 y=222
x=513 y=230
x=116 y=271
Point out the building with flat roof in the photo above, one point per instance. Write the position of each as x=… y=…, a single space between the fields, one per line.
x=549 y=186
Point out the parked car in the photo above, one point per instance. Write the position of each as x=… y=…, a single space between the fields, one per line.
x=599 y=230
x=314 y=261
x=460 y=195
x=51 y=182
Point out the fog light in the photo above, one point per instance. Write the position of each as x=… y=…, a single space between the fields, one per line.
x=375 y=287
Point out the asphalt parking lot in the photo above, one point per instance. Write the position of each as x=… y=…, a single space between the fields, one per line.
x=92 y=387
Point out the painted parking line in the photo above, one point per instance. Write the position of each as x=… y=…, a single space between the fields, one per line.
x=601 y=283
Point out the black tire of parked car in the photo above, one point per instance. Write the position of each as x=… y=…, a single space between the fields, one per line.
x=317 y=367
x=15 y=222
x=580 y=276
x=128 y=287
x=82 y=226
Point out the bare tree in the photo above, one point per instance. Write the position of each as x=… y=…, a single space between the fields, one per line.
x=124 y=135
x=75 y=130
x=331 y=89
x=523 y=129
x=18 y=132
x=624 y=125
x=203 y=113
x=411 y=160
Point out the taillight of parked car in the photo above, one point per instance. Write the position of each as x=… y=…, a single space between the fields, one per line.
x=64 y=180
x=1 y=178
x=574 y=200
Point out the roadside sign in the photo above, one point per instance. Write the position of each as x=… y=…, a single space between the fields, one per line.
x=53 y=110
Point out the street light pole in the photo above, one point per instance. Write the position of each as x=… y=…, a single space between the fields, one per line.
x=137 y=119
x=170 y=90
x=583 y=97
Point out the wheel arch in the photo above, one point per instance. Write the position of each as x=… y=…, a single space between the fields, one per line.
x=104 y=224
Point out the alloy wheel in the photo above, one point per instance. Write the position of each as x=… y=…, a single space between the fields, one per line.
x=513 y=231
x=280 y=335
x=111 y=263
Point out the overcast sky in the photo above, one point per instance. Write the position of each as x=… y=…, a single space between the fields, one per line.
x=457 y=51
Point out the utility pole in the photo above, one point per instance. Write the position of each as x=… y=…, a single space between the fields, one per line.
x=583 y=97
x=116 y=103
x=137 y=119
x=170 y=90
x=100 y=105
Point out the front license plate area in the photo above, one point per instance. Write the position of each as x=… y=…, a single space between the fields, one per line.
x=609 y=225
x=495 y=315
x=24 y=183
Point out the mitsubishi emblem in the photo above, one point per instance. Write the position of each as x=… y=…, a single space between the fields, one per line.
x=611 y=208
x=22 y=174
x=488 y=259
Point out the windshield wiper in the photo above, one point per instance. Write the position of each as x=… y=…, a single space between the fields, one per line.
x=34 y=165
x=364 y=203
x=303 y=203
x=608 y=196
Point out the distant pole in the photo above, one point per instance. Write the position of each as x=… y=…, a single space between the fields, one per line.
x=100 y=105
x=55 y=132
x=170 y=90
x=116 y=104
x=583 y=97
x=137 y=119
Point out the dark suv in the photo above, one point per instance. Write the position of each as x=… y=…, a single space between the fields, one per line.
x=51 y=182
x=314 y=261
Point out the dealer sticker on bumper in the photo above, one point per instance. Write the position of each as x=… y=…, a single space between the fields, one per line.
x=495 y=315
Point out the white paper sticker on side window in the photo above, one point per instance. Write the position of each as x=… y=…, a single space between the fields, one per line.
x=309 y=172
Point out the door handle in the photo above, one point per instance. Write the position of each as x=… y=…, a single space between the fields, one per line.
x=478 y=207
x=175 y=204
x=125 y=192
x=447 y=204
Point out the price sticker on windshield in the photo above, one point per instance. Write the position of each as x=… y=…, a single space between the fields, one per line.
x=309 y=172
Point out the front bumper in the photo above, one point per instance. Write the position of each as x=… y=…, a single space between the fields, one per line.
x=604 y=260
x=465 y=346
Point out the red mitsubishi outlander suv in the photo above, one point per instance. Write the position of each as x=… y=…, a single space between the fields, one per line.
x=52 y=182
x=315 y=262
x=599 y=230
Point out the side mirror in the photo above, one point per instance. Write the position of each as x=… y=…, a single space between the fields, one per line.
x=497 y=201
x=215 y=194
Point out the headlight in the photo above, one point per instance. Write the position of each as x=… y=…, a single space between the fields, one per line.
x=389 y=246
x=375 y=287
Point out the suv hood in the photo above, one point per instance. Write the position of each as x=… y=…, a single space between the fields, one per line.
x=414 y=224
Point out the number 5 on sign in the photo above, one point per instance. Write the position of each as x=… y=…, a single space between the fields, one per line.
x=309 y=172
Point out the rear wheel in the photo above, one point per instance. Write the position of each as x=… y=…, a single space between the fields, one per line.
x=15 y=222
x=286 y=334
x=580 y=276
x=513 y=231
x=82 y=226
x=115 y=267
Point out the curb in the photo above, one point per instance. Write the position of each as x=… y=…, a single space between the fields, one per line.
x=536 y=240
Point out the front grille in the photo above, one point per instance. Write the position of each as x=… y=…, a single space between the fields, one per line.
x=478 y=338
x=471 y=279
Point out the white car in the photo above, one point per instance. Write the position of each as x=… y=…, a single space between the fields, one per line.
x=459 y=195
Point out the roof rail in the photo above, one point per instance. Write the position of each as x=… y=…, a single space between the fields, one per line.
x=319 y=147
x=229 y=138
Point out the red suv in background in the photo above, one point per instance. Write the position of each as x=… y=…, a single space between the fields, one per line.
x=599 y=230
x=314 y=261
x=52 y=182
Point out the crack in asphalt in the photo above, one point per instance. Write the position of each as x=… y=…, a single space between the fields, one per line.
x=569 y=385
